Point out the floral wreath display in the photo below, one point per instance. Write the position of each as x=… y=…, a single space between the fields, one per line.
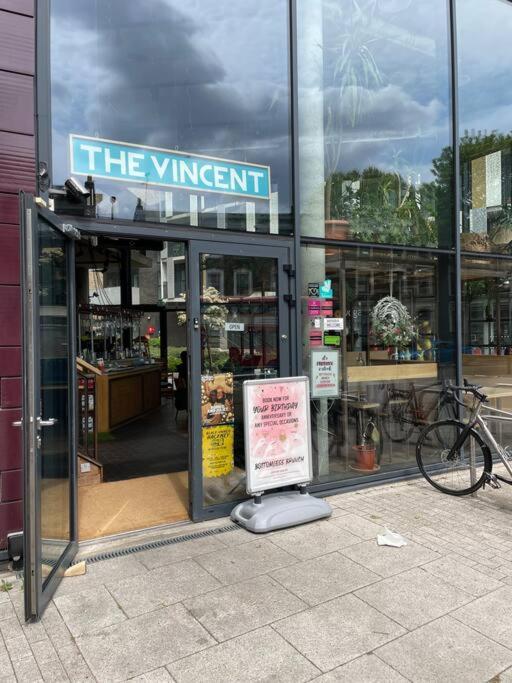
x=392 y=324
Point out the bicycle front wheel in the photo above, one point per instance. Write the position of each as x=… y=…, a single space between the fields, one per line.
x=452 y=472
x=397 y=420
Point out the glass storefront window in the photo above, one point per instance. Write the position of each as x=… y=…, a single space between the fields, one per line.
x=485 y=128
x=182 y=111
x=385 y=318
x=374 y=121
x=487 y=330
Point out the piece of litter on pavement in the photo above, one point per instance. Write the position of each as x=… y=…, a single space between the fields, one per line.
x=391 y=538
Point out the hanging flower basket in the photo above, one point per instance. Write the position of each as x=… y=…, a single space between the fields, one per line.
x=392 y=324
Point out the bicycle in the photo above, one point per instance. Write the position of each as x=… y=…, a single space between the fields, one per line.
x=405 y=409
x=456 y=458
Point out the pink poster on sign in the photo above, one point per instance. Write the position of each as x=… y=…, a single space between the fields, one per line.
x=277 y=433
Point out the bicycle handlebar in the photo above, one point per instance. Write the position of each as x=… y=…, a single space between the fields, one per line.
x=468 y=389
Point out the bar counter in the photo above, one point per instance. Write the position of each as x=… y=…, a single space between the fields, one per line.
x=125 y=394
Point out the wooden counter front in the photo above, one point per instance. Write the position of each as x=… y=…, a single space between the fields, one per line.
x=394 y=372
x=127 y=395
x=489 y=366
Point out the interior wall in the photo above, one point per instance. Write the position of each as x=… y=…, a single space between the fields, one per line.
x=17 y=172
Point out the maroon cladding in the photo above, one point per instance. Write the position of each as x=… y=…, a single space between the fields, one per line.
x=16 y=103
x=19 y=6
x=10 y=255
x=17 y=172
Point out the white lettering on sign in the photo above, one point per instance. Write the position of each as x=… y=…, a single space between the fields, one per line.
x=333 y=323
x=278 y=433
x=325 y=377
x=234 y=327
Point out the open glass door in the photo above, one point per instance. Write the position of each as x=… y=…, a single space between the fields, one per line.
x=238 y=330
x=49 y=404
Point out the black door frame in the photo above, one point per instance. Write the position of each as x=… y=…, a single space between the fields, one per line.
x=213 y=241
x=282 y=253
x=37 y=593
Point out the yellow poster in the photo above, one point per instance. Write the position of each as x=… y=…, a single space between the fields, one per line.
x=218 y=450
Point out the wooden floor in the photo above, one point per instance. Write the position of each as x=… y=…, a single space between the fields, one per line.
x=117 y=506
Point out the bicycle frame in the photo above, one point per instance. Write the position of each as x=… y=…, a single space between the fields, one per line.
x=480 y=420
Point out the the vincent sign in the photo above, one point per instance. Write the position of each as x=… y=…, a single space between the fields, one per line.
x=166 y=168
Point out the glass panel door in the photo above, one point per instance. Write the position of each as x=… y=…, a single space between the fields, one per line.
x=49 y=406
x=240 y=331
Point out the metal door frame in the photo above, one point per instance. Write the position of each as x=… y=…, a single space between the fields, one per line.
x=37 y=596
x=283 y=254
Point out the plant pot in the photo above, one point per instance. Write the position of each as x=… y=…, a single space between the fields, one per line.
x=365 y=457
x=337 y=229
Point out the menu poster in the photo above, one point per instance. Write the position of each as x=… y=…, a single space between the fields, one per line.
x=218 y=450
x=325 y=374
x=277 y=433
x=217 y=399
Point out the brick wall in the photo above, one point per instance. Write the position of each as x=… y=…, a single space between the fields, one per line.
x=17 y=172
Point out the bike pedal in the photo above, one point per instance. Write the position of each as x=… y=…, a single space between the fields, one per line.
x=492 y=481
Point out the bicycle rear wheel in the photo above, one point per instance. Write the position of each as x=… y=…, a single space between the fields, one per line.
x=397 y=419
x=451 y=473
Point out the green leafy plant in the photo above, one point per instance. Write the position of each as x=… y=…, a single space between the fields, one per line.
x=6 y=586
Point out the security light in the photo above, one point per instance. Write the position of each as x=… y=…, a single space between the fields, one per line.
x=76 y=189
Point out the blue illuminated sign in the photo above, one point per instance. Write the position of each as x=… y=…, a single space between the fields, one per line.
x=167 y=168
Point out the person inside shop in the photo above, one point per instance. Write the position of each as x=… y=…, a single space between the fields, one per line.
x=181 y=397
x=234 y=360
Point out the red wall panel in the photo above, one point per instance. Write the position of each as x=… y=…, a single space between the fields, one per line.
x=10 y=438
x=11 y=519
x=10 y=392
x=17 y=163
x=19 y=6
x=9 y=255
x=17 y=172
x=9 y=209
x=10 y=316
x=16 y=103
x=16 y=43
x=11 y=486
x=10 y=362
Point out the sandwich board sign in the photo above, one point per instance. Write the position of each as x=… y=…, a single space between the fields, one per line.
x=278 y=454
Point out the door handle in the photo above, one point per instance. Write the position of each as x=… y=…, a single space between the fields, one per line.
x=46 y=423
x=17 y=423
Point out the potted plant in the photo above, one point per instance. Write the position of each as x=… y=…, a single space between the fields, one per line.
x=365 y=456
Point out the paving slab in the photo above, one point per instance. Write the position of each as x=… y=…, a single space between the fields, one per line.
x=359 y=526
x=461 y=576
x=334 y=632
x=365 y=669
x=100 y=572
x=160 y=675
x=414 y=597
x=236 y=609
x=261 y=655
x=324 y=578
x=161 y=587
x=313 y=540
x=446 y=650
x=244 y=561
x=177 y=552
x=385 y=560
x=27 y=671
x=89 y=610
x=143 y=643
x=491 y=615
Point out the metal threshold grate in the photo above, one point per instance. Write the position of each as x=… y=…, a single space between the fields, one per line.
x=120 y=552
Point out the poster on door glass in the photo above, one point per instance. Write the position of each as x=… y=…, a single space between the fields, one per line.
x=277 y=433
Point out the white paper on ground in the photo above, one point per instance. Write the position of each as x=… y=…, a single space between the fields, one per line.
x=391 y=538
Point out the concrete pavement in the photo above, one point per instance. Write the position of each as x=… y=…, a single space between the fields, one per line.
x=321 y=601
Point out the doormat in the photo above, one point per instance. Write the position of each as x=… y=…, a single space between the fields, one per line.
x=120 y=552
